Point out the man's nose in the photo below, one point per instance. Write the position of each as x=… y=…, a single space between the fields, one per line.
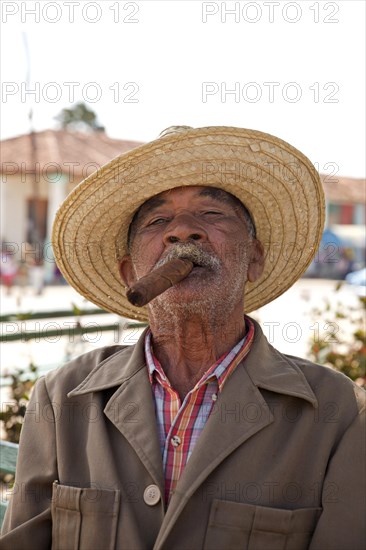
x=184 y=228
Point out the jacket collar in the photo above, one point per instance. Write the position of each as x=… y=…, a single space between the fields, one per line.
x=272 y=370
x=267 y=368
x=114 y=370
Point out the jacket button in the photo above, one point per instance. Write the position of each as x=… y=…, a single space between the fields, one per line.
x=152 y=495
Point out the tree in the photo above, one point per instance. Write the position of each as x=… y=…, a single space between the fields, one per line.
x=79 y=117
x=13 y=412
x=343 y=345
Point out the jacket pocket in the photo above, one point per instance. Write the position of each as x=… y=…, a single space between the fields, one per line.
x=84 y=519
x=234 y=525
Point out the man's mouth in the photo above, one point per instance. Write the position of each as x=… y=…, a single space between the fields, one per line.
x=195 y=263
x=199 y=257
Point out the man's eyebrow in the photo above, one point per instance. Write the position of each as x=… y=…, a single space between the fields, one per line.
x=216 y=194
x=150 y=205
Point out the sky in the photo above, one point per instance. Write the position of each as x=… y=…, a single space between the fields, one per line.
x=292 y=69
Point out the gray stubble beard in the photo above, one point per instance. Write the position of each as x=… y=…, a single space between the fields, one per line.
x=215 y=306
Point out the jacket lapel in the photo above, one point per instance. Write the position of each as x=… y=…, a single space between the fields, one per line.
x=131 y=408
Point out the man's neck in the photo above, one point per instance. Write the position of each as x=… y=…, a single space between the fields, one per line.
x=186 y=347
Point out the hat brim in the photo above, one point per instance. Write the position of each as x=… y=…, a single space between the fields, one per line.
x=276 y=182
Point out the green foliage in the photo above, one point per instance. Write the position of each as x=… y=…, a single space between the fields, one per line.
x=342 y=343
x=13 y=413
x=79 y=117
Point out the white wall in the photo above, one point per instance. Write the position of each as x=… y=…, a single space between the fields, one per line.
x=15 y=190
x=13 y=209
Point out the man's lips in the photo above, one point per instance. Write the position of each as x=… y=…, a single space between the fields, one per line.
x=196 y=265
x=193 y=253
x=198 y=270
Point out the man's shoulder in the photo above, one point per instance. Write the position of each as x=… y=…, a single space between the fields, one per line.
x=68 y=376
x=327 y=382
x=321 y=385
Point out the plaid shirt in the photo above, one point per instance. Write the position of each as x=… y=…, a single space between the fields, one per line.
x=180 y=424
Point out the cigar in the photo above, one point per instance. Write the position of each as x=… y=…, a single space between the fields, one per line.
x=150 y=286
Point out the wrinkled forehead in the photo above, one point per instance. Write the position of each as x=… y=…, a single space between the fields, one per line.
x=214 y=193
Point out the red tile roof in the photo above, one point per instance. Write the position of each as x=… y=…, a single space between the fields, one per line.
x=61 y=148
x=344 y=190
x=82 y=151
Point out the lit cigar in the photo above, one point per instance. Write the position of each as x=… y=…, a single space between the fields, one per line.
x=158 y=281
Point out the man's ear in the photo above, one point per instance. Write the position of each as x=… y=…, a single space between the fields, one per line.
x=256 y=264
x=126 y=270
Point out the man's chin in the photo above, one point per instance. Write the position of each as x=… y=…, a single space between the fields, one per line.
x=200 y=279
x=195 y=290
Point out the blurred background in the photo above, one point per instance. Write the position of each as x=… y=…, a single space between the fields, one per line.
x=84 y=81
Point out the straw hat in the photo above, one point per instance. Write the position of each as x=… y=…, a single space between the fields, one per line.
x=278 y=185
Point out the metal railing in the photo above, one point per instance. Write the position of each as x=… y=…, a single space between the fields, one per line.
x=77 y=329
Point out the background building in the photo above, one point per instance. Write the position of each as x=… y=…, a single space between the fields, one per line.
x=39 y=169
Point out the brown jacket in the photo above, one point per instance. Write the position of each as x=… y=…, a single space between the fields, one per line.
x=279 y=464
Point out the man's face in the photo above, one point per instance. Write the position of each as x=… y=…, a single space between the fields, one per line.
x=195 y=223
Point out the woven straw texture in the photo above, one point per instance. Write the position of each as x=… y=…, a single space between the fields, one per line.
x=275 y=181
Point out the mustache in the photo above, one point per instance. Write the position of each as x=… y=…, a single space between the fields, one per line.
x=193 y=252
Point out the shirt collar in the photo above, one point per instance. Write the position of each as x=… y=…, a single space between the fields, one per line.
x=220 y=370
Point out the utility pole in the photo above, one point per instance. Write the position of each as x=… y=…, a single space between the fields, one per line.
x=35 y=210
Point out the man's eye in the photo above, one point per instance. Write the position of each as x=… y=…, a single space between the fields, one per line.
x=211 y=213
x=157 y=221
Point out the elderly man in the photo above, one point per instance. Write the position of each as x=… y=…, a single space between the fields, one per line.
x=202 y=435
